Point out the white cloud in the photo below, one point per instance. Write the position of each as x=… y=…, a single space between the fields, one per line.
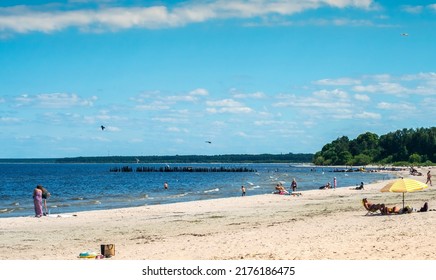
x=227 y=106
x=166 y=119
x=199 y=92
x=336 y=93
x=267 y=122
x=361 y=97
x=254 y=95
x=368 y=115
x=337 y=82
x=413 y=9
x=54 y=100
x=153 y=106
x=391 y=88
x=177 y=129
x=112 y=128
x=6 y=120
x=24 y=19
x=395 y=106
x=429 y=76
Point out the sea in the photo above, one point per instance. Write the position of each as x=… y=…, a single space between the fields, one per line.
x=84 y=187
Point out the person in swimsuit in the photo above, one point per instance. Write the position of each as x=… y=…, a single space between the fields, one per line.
x=294 y=185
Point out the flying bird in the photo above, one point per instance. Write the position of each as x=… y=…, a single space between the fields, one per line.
x=404 y=34
x=209 y=142
x=102 y=127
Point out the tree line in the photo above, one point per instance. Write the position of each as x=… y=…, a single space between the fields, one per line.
x=232 y=158
x=402 y=147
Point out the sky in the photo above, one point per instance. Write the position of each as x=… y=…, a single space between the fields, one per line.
x=251 y=77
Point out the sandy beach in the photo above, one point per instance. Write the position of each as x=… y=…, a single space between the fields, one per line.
x=318 y=225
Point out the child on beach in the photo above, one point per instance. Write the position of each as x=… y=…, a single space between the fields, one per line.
x=243 y=190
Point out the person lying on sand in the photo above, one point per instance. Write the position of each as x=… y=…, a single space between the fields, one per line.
x=326 y=187
x=396 y=210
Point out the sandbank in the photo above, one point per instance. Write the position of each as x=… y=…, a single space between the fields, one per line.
x=318 y=225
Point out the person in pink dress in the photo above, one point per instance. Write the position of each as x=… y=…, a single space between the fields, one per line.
x=37 y=201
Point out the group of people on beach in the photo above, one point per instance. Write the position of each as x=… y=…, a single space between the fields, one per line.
x=40 y=196
x=385 y=210
x=280 y=189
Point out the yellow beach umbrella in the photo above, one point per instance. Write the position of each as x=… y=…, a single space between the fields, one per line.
x=404 y=185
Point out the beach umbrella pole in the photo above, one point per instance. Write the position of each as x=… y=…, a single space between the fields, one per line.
x=403 y=200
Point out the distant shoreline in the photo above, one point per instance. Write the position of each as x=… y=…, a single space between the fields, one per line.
x=230 y=158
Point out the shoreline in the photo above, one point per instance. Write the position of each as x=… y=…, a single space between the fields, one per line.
x=318 y=225
x=131 y=192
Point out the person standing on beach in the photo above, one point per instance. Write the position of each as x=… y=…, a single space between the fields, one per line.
x=37 y=201
x=243 y=190
x=335 y=183
x=429 y=178
x=45 y=196
x=294 y=185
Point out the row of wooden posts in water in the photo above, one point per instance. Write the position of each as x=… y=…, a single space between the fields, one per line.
x=181 y=169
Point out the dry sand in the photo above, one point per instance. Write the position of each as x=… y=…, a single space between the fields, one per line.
x=319 y=225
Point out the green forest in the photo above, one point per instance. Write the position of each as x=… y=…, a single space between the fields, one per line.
x=235 y=158
x=402 y=147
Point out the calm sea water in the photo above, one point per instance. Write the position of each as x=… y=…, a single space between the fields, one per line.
x=82 y=187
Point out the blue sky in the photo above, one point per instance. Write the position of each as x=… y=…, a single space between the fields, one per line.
x=252 y=77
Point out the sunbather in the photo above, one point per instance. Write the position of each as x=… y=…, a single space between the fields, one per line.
x=371 y=207
x=390 y=210
x=396 y=210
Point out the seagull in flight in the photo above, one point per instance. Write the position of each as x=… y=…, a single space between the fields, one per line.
x=404 y=34
x=102 y=127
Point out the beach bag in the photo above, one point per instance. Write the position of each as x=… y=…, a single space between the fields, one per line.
x=108 y=250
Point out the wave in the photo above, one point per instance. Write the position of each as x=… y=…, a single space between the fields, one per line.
x=212 y=190
x=178 y=195
x=6 y=210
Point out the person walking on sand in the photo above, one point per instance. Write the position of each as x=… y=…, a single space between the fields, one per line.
x=37 y=202
x=429 y=178
x=335 y=182
x=243 y=190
